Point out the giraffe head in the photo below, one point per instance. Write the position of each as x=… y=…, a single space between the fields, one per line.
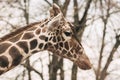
x=61 y=35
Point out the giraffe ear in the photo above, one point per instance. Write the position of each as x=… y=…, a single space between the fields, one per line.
x=55 y=22
x=55 y=10
x=57 y=17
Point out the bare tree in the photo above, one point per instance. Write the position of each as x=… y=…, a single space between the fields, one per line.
x=107 y=12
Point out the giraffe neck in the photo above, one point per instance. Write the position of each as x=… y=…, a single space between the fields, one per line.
x=29 y=40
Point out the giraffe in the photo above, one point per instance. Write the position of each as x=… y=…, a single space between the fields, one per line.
x=54 y=34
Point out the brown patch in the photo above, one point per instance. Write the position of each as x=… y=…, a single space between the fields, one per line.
x=16 y=38
x=46 y=20
x=77 y=49
x=69 y=54
x=44 y=30
x=54 y=39
x=23 y=45
x=61 y=44
x=75 y=56
x=71 y=43
x=16 y=56
x=66 y=45
x=28 y=35
x=46 y=39
x=50 y=38
x=41 y=45
x=52 y=49
x=42 y=37
x=49 y=44
x=64 y=51
x=60 y=48
x=35 y=51
x=59 y=38
x=57 y=52
x=42 y=25
x=38 y=31
x=72 y=50
x=56 y=46
x=4 y=61
x=33 y=44
x=57 y=32
x=3 y=47
x=46 y=46
x=20 y=30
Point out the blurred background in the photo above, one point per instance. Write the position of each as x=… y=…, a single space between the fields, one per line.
x=97 y=24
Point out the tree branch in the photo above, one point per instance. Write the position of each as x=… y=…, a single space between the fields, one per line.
x=76 y=13
x=105 y=20
x=56 y=1
x=33 y=69
x=104 y=71
x=83 y=19
x=65 y=7
x=48 y=2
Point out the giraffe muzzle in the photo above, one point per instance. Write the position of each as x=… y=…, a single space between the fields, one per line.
x=83 y=62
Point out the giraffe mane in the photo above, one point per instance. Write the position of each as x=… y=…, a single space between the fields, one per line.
x=17 y=31
x=20 y=30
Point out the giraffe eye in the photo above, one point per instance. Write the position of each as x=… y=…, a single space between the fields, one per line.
x=68 y=33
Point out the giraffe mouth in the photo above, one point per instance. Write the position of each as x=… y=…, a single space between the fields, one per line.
x=83 y=62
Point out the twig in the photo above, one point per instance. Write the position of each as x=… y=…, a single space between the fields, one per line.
x=104 y=71
x=48 y=2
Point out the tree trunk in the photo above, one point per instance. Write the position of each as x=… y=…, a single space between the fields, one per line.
x=53 y=68
x=74 y=72
x=104 y=71
x=79 y=29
